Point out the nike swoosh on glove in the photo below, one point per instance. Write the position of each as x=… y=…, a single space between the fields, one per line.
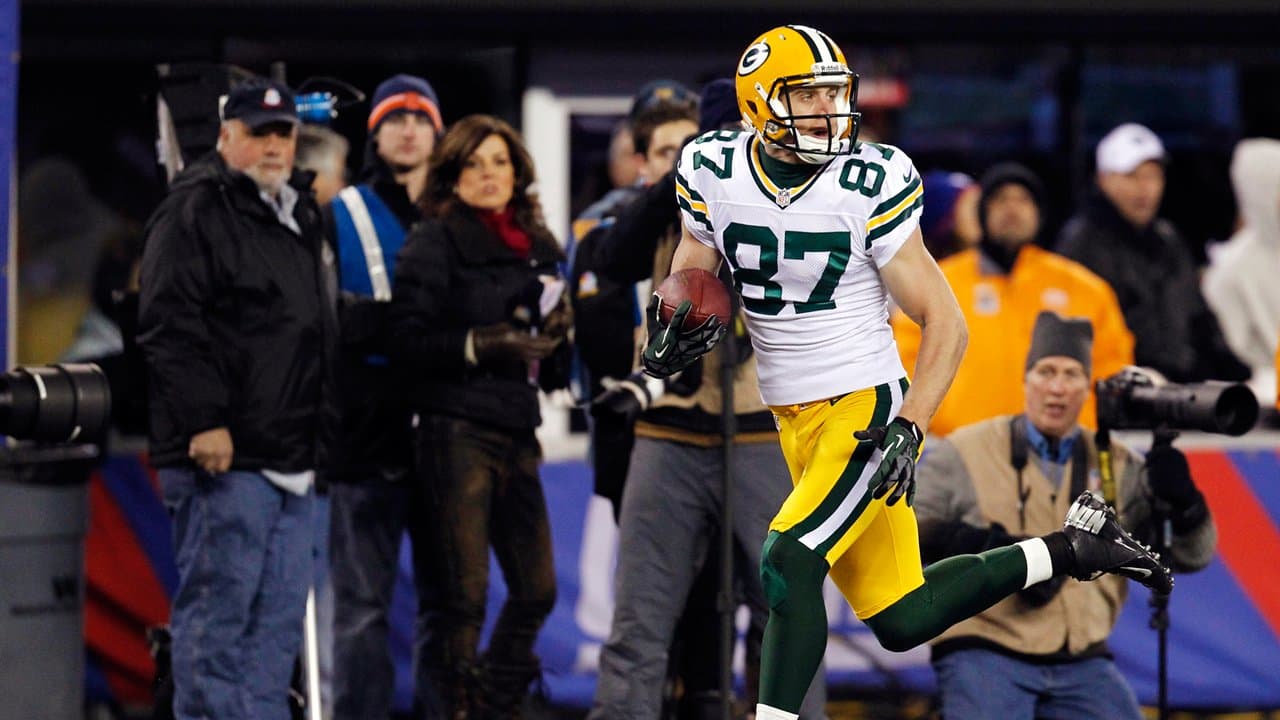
x=899 y=444
x=672 y=347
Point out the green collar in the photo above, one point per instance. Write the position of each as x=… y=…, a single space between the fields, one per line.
x=785 y=174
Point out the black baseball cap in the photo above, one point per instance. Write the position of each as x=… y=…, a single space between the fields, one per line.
x=259 y=101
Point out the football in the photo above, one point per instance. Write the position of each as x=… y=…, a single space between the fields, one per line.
x=702 y=288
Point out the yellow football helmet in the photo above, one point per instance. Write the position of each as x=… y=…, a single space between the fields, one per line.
x=782 y=60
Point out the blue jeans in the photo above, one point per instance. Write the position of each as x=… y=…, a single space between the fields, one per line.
x=986 y=684
x=244 y=556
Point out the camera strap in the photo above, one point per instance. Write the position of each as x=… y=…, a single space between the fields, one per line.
x=1018 y=458
x=1018 y=451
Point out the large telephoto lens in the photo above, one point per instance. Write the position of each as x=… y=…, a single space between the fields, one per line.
x=55 y=403
x=1217 y=407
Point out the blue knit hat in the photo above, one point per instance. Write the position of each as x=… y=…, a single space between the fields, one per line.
x=719 y=105
x=405 y=93
x=942 y=188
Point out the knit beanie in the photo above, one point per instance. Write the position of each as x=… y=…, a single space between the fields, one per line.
x=405 y=93
x=1055 y=335
x=719 y=106
x=943 y=188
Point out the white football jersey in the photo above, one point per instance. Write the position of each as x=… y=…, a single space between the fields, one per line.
x=806 y=259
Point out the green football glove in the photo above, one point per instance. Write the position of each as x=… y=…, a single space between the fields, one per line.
x=899 y=444
x=673 y=347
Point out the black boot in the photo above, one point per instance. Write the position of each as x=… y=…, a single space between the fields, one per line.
x=505 y=686
x=460 y=690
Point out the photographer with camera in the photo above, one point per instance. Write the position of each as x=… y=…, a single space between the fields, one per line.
x=1042 y=651
x=237 y=323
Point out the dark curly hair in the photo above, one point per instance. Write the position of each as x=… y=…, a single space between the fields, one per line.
x=459 y=142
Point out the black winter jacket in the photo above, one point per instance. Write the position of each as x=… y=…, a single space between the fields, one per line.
x=453 y=275
x=1158 y=286
x=236 y=321
x=375 y=438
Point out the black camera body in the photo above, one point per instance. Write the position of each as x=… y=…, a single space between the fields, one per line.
x=1141 y=399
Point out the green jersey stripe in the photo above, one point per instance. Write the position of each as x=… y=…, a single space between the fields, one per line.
x=892 y=202
x=696 y=215
x=886 y=228
x=692 y=193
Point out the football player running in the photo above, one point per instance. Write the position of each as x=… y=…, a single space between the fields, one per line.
x=819 y=230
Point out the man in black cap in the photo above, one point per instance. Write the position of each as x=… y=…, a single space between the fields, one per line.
x=237 y=323
x=1042 y=652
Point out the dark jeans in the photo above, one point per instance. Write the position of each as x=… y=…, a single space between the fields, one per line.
x=368 y=520
x=243 y=548
x=479 y=488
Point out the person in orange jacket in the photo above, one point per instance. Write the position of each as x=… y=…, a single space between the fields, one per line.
x=1002 y=285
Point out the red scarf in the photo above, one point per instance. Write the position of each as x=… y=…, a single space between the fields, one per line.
x=503 y=224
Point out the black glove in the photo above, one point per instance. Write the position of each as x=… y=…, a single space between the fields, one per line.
x=672 y=346
x=1169 y=478
x=1041 y=593
x=899 y=444
x=502 y=341
x=623 y=402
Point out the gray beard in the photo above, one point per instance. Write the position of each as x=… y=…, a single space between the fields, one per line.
x=271 y=188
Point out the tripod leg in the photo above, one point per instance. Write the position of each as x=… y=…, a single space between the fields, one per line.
x=311 y=657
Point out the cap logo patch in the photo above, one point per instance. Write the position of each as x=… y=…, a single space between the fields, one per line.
x=271 y=98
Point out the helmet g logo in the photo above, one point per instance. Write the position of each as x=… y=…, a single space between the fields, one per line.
x=753 y=58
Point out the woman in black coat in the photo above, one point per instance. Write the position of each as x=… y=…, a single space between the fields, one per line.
x=472 y=334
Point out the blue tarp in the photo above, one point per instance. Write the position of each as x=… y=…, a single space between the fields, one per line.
x=1224 y=643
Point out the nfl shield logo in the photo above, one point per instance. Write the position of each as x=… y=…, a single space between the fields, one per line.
x=784 y=197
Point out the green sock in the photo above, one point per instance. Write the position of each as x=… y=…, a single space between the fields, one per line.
x=796 y=637
x=954 y=589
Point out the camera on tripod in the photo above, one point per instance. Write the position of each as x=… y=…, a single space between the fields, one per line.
x=55 y=403
x=61 y=412
x=1138 y=398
